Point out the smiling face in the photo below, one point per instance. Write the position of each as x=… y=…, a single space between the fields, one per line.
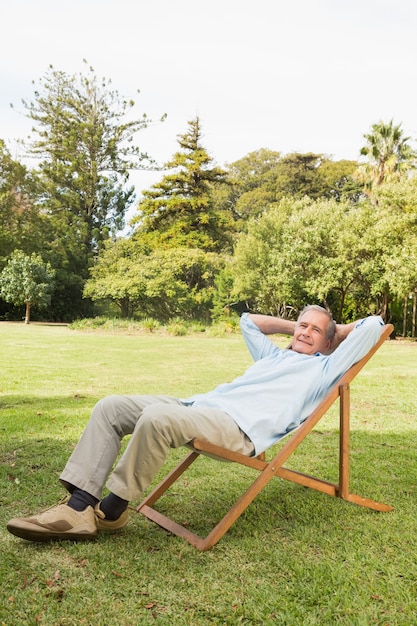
x=310 y=334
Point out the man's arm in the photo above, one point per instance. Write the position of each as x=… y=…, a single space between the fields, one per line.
x=255 y=330
x=270 y=325
x=342 y=331
x=355 y=343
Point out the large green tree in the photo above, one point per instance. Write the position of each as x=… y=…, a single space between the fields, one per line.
x=351 y=258
x=84 y=142
x=250 y=187
x=85 y=147
x=179 y=211
x=258 y=268
x=263 y=178
x=397 y=208
x=339 y=182
x=162 y=283
x=20 y=220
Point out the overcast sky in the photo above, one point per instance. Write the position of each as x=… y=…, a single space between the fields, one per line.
x=288 y=75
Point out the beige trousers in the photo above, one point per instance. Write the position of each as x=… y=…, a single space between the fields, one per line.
x=156 y=424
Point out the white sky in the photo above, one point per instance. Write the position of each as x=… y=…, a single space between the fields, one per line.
x=288 y=75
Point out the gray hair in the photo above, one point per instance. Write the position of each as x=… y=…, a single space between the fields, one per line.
x=331 y=328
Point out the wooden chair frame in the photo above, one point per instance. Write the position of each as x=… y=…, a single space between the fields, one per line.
x=273 y=468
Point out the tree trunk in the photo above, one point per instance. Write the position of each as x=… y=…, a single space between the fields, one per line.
x=413 y=323
x=27 y=316
x=384 y=306
x=405 y=307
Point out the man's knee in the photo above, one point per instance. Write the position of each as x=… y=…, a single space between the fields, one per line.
x=155 y=416
x=104 y=405
x=161 y=422
x=105 y=408
x=111 y=411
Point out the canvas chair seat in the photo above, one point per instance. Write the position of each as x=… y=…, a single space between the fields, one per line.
x=275 y=467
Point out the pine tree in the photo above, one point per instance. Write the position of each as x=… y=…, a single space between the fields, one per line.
x=86 y=150
x=179 y=211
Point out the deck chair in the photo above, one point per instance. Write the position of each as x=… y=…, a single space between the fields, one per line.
x=274 y=467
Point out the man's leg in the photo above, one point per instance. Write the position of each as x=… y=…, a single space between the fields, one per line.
x=164 y=426
x=112 y=419
x=86 y=471
x=157 y=424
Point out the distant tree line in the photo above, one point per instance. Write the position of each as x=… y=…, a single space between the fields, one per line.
x=269 y=232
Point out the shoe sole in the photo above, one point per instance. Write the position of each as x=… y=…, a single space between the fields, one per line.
x=36 y=533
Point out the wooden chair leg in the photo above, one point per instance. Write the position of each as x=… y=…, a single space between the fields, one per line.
x=344 y=457
x=168 y=480
x=344 y=440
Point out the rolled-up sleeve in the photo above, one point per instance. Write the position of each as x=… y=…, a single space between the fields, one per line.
x=259 y=345
x=358 y=343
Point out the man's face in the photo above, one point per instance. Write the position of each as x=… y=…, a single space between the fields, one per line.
x=310 y=333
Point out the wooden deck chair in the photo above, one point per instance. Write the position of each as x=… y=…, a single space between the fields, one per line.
x=273 y=468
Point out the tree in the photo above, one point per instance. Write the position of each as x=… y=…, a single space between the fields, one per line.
x=84 y=143
x=388 y=152
x=247 y=192
x=161 y=283
x=339 y=182
x=23 y=225
x=258 y=268
x=27 y=280
x=20 y=222
x=324 y=251
x=11 y=174
x=86 y=150
x=262 y=178
x=116 y=276
x=298 y=175
x=179 y=211
x=397 y=208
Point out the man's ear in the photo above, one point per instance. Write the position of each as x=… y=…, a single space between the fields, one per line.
x=331 y=347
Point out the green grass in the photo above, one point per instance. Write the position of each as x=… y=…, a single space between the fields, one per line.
x=296 y=556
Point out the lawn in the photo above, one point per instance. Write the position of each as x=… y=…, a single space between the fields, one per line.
x=296 y=556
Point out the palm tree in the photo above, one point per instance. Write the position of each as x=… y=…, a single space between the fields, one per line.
x=389 y=154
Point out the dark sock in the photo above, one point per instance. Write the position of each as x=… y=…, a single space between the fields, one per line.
x=80 y=500
x=113 y=506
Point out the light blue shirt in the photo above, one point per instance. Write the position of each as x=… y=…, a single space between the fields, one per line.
x=280 y=390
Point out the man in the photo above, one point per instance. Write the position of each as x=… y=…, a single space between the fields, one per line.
x=247 y=415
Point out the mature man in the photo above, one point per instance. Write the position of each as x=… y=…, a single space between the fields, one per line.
x=247 y=415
